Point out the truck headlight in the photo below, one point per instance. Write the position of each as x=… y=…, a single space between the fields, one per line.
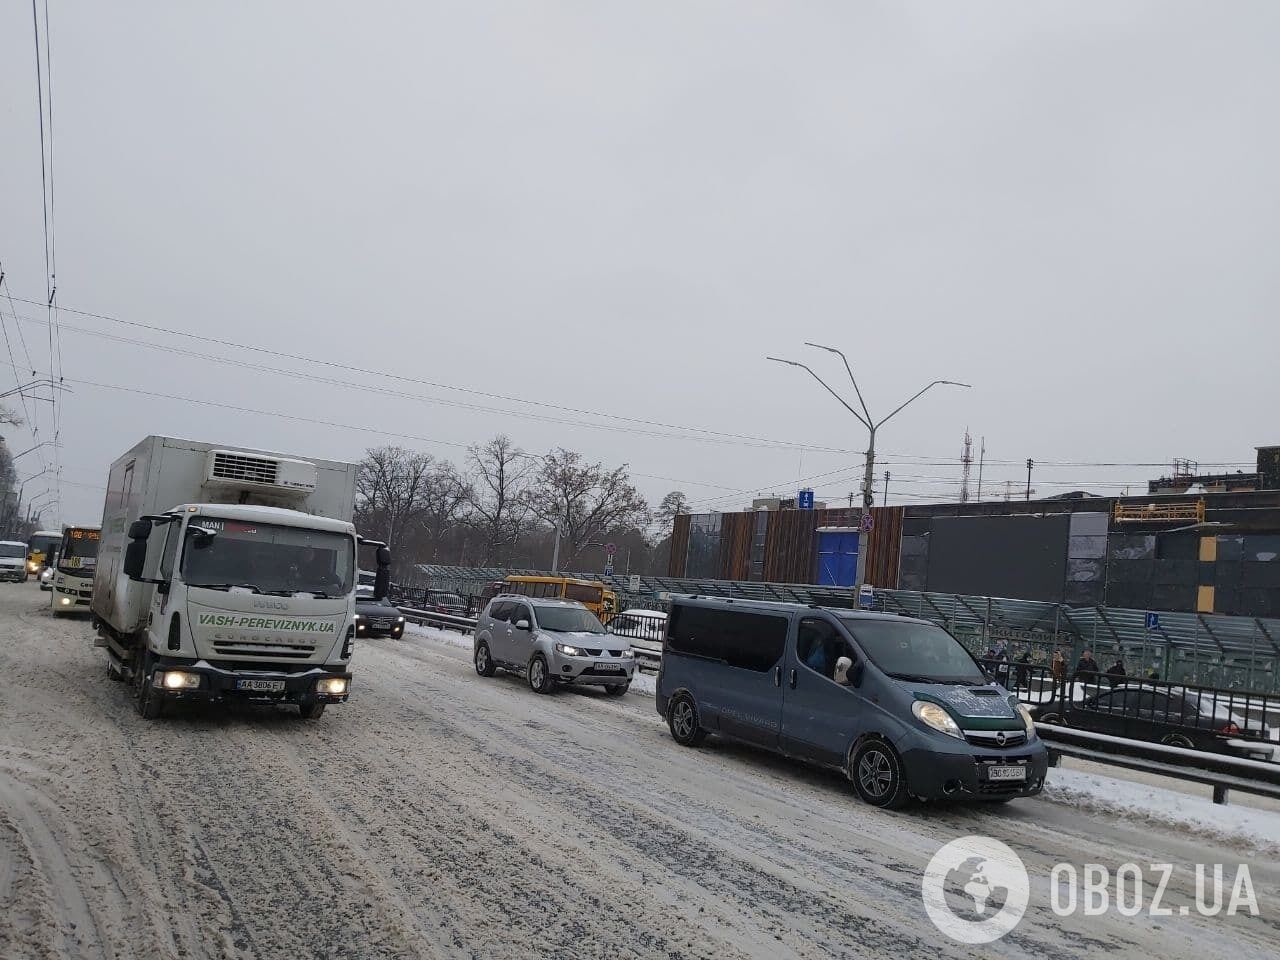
x=569 y=651
x=932 y=715
x=65 y=601
x=332 y=686
x=179 y=680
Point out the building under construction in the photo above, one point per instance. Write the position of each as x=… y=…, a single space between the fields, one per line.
x=1209 y=544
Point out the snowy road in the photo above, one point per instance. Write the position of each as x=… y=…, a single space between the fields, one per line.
x=440 y=814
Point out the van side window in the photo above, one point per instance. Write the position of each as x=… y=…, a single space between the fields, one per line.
x=752 y=641
x=819 y=645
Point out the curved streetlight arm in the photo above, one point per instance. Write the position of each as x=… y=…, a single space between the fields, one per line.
x=950 y=383
x=849 y=370
x=792 y=363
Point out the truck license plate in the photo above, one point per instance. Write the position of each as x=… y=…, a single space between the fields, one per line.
x=261 y=686
x=1006 y=773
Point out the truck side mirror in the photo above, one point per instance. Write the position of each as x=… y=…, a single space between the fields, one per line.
x=135 y=558
x=384 y=557
x=381 y=582
x=140 y=530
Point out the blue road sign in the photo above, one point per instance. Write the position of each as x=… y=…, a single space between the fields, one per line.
x=805 y=500
x=1153 y=621
x=866 y=596
x=608 y=569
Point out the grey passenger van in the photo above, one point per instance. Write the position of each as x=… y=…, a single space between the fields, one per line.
x=895 y=703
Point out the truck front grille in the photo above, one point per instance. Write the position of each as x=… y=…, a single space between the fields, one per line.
x=291 y=651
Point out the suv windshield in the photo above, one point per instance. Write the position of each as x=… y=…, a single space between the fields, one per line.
x=567 y=620
x=268 y=558
x=13 y=549
x=914 y=651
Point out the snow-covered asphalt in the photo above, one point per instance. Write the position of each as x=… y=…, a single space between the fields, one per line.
x=439 y=814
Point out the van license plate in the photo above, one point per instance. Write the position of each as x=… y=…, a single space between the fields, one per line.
x=1006 y=773
x=261 y=686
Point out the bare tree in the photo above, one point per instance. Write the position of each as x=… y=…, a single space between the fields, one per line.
x=391 y=491
x=672 y=505
x=499 y=473
x=446 y=501
x=584 y=500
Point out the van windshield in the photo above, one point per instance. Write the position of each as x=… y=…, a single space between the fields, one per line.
x=13 y=549
x=568 y=620
x=268 y=558
x=914 y=651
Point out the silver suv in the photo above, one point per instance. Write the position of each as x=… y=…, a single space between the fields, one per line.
x=550 y=642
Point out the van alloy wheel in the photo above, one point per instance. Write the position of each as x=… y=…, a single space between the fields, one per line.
x=876 y=772
x=682 y=718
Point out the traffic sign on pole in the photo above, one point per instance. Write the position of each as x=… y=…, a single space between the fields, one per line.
x=1153 y=621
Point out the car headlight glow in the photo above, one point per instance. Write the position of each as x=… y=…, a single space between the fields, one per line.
x=66 y=601
x=569 y=651
x=331 y=686
x=932 y=715
x=179 y=680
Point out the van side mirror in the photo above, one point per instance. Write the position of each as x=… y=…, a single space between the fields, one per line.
x=135 y=557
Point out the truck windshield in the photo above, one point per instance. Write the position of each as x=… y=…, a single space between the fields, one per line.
x=914 y=651
x=78 y=546
x=268 y=558
x=13 y=549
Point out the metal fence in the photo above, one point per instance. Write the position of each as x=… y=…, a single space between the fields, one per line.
x=1213 y=650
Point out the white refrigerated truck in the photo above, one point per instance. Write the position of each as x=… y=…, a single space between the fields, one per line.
x=228 y=573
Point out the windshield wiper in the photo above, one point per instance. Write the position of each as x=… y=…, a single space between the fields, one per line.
x=916 y=678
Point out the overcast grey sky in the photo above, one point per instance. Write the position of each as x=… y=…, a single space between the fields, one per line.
x=624 y=208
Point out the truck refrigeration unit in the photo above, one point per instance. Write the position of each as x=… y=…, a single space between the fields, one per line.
x=228 y=573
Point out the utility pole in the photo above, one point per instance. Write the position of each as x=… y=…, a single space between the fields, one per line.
x=886 y=488
x=1030 y=463
x=1008 y=490
x=966 y=460
x=555 y=553
x=871 y=425
x=851 y=496
x=982 y=455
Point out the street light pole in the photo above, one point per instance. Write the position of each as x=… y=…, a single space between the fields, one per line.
x=872 y=426
x=1030 y=463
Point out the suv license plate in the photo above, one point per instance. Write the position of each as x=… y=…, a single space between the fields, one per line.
x=261 y=686
x=1006 y=773
x=608 y=668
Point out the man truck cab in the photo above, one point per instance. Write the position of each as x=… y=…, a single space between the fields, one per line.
x=895 y=703
x=77 y=559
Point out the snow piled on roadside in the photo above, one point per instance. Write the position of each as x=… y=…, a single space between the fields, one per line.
x=1231 y=823
x=640 y=683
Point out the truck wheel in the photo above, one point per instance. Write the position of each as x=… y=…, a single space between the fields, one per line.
x=146 y=701
x=113 y=672
x=682 y=718
x=311 y=711
x=539 y=676
x=877 y=775
x=484 y=662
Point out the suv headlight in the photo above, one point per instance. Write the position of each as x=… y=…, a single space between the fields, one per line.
x=570 y=651
x=932 y=715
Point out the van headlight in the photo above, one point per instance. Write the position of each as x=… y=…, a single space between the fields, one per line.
x=1027 y=720
x=932 y=715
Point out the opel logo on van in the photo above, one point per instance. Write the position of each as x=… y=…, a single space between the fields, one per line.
x=1000 y=738
x=270 y=604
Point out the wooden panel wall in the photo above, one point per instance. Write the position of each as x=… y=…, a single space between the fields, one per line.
x=736 y=530
x=789 y=546
x=679 y=545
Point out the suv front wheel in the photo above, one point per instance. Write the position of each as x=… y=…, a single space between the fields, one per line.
x=539 y=676
x=484 y=662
